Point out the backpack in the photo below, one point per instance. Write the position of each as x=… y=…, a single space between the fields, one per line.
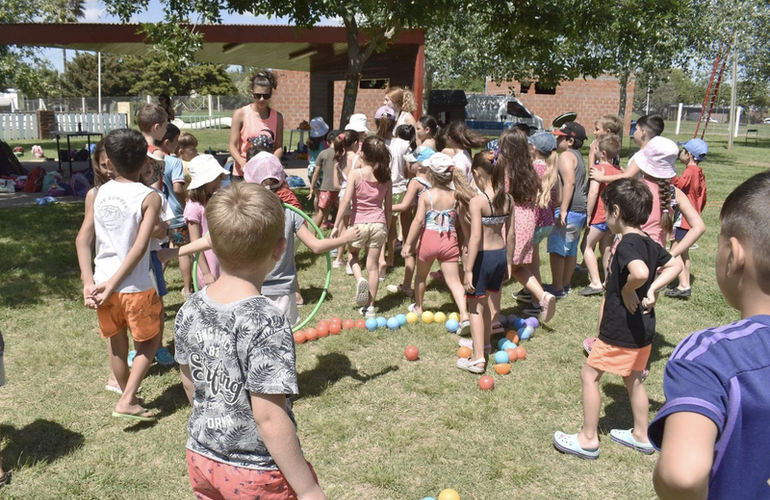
x=80 y=184
x=34 y=182
x=50 y=179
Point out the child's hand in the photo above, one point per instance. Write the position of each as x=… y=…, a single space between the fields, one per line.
x=469 y=282
x=88 y=299
x=597 y=174
x=648 y=303
x=335 y=232
x=630 y=299
x=167 y=254
x=406 y=251
x=101 y=292
x=508 y=274
x=312 y=192
x=352 y=234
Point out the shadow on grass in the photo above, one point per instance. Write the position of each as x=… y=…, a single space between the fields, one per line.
x=331 y=368
x=617 y=408
x=40 y=441
x=172 y=399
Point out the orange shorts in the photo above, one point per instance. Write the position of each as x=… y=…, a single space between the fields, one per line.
x=140 y=312
x=618 y=360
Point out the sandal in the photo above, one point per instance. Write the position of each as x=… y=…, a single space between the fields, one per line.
x=497 y=328
x=465 y=328
x=469 y=344
x=476 y=366
x=626 y=438
x=400 y=289
x=568 y=443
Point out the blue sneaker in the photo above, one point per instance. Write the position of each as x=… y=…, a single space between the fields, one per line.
x=131 y=356
x=164 y=357
x=559 y=294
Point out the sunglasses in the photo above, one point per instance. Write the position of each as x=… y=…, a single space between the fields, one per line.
x=257 y=96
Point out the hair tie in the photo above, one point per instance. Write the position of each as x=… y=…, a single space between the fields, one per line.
x=496 y=154
x=665 y=210
x=451 y=169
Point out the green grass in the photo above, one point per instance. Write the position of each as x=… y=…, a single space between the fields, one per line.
x=374 y=425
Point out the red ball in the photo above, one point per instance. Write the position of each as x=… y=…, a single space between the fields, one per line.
x=512 y=354
x=323 y=322
x=336 y=319
x=299 y=337
x=334 y=328
x=323 y=330
x=412 y=353
x=486 y=383
x=521 y=353
x=361 y=323
x=311 y=334
x=348 y=324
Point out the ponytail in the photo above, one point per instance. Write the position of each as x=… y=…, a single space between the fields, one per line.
x=377 y=155
x=666 y=217
x=549 y=179
x=343 y=142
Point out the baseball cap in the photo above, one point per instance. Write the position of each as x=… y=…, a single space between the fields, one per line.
x=384 y=111
x=264 y=166
x=696 y=147
x=543 y=141
x=357 y=123
x=572 y=130
x=204 y=169
x=657 y=158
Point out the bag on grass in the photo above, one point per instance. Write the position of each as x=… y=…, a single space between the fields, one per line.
x=50 y=179
x=79 y=184
x=34 y=181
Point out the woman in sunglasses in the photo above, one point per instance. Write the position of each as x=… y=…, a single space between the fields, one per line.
x=253 y=119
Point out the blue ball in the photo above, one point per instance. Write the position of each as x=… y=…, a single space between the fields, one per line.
x=401 y=319
x=452 y=325
x=502 y=357
x=533 y=322
x=526 y=333
x=508 y=345
x=502 y=342
x=393 y=323
x=511 y=319
x=371 y=324
x=519 y=323
x=381 y=322
x=428 y=498
x=504 y=320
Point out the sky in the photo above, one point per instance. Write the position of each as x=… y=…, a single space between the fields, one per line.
x=96 y=13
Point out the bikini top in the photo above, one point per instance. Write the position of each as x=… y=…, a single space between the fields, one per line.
x=440 y=220
x=492 y=220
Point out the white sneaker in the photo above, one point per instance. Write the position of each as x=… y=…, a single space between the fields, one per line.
x=336 y=264
x=367 y=312
x=348 y=270
x=362 y=292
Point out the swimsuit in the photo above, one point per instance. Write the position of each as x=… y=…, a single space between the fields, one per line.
x=439 y=238
x=491 y=265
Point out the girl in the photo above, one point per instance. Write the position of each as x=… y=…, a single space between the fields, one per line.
x=315 y=144
x=206 y=176
x=524 y=186
x=459 y=141
x=402 y=102
x=438 y=234
x=488 y=262
x=346 y=146
x=368 y=186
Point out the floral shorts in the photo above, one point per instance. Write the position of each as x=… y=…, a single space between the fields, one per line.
x=179 y=236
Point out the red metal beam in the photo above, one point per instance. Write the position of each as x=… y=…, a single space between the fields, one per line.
x=419 y=80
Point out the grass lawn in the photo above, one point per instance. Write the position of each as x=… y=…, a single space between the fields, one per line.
x=374 y=425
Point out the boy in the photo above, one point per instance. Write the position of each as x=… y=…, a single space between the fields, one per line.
x=570 y=217
x=607 y=124
x=121 y=288
x=626 y=322
x=152 y=121
x=329 y=193
x=608 y=147
x=186 y=150
x=693 y=184
x=712 y=432
x=647 y=128
x=236 y=355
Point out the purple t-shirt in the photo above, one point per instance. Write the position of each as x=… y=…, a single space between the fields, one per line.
x=724 y=374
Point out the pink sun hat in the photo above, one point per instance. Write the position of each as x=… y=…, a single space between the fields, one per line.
x=262 y=167
x=657 y=158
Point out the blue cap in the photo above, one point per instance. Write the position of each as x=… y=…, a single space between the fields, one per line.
x=696 y=147
x=544 y=141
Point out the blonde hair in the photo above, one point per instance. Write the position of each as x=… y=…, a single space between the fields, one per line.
x=610 y=144
x=463 y=191
x=549 y=179
x=245 y=223
x=610 y=123
x=186 y=139
x=404 y=98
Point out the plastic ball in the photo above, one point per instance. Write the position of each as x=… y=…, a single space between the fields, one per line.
x=381 y=322
x=427 y=317
x=439 y=317
x=412 y=353
x=511 y=319
x=512 y=356
x=486 y=383
x=503 y=368
x=452 y=325
x=503 y=320
x=323 y=330
x=526 y=332
x=348 y=324
x=502 y=357
x=336 y=319
x=429 y=498
x=323 y=322
x=464 y=352
x=502 y=342
x=401 y=319
x=521 y=352
x=311 y=334
x=334 y=328
x=519 y=323
x=393 y=323
x=508 y=345
x=455 y=316
x=299 y=337
x=512 y=336
x=371 y=324
x=450 y=494
x=533 y=322
x=361 y=323
x=412 y=318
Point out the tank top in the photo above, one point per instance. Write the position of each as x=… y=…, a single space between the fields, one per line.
x=579 y=202
x=117 y=217
x=652 y=226
x=367 y=202
x=442 y=221
x=254 y=126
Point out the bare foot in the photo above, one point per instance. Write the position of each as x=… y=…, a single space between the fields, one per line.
x=134 y=409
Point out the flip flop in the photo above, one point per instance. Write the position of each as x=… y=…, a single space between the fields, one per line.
x=130 y=358
x=164 y=357
x=497 y=328
x=626 y=438
x=465 y=328
x=568 y=443
x=547 y=307
x=588 y=344
x=136 y=416
x=117 y=390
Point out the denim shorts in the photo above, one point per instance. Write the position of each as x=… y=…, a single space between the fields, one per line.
x=565 y=240
x=602 y=226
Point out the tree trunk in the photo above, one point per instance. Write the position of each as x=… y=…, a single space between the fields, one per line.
x=623 y=82
x=353 y=74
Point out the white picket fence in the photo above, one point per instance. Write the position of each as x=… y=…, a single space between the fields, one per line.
x=22 y=126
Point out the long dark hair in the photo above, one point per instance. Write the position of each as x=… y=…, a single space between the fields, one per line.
x=343 y=142
x=466 y=138
x=376 y=154
x=524 y=183
x=485 y=161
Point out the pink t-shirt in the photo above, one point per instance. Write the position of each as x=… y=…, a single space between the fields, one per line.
x=195 y=212
x=652 y=226
x=367 y=202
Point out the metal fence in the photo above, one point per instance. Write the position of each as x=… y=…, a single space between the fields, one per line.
x=23 y=126
x=197 y=105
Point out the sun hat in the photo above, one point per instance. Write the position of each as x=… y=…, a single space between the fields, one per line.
x=318 y=127
x=384 y=111
x=440 y=163
x=262 y=167
x=657 y=158
x=572 y=130
x=696 y=147
x=544 y=141
x=263 y=141
x=357 y=123
x=204 y=169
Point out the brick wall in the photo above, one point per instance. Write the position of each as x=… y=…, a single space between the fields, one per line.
x=367 y=102
x=589 y=98
x=292 y=97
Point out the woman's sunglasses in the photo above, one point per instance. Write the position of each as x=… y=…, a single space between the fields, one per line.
x=257 y=96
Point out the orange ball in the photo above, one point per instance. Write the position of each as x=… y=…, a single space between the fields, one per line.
x=336 y=319
x=486 y=383
x=323 y=322
x=334 y=328
x=361 y=324
x=348 y=324
x=521 y=352
x=512 y=336
x=323 y=330
x=412 y=353
x=512 y=354
x=464 y=352
x=503 y=368
x=311 y=334
x=299 y=337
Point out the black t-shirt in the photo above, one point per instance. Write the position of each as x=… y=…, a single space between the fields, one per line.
x=619 y=327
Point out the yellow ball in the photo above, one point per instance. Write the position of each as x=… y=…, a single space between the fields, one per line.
x=454 y=316
x=412 y=318
x=427 y=317
x=448 y=494
x=439 y=317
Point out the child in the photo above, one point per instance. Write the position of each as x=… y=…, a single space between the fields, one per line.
x=647 y=128
x=315 y=145
x=186 y=150
x=206 y=174
x=264 y=144
x=488 y=262
x=324 y=183
x=607 y=146
x=121 y=289
x=280 y=285
x=712 y=431
x=346 y=147
x=425 y=131
x=524 y=186
x=605 y=125
x=152 y=121
x=368 y=186
x=436 y=216
x=570 y=217
x=693 y=185
x=459 y=141
x=627 y=320
x=253 y=446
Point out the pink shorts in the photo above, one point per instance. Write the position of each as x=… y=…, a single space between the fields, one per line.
x=328 y=199
x=439 y=246
x=212 y=480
